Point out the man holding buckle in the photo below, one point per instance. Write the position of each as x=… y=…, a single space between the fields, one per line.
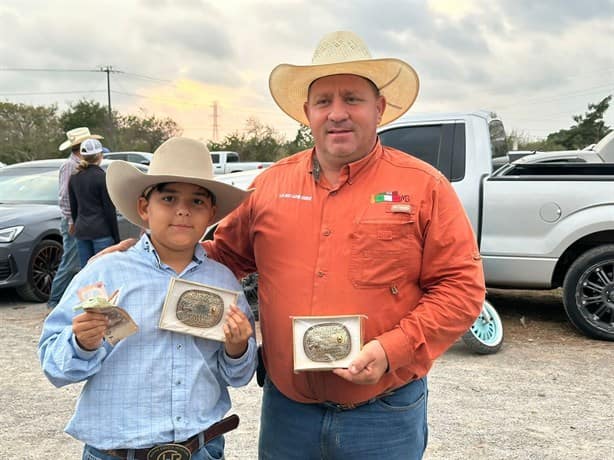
x=352 y=227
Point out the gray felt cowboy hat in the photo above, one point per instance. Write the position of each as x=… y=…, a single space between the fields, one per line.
x=345 y=53
x=179 y=159
x=76 y=136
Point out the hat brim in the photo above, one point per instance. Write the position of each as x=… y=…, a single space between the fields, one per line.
x=68 y=143
x=125 y=184
x=397 y=81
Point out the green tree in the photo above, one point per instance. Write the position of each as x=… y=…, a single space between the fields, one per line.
x=588 y=129
x=91 y=114
x=143 y=132
x=28 y=132
x=259 y=143
x=302 y=141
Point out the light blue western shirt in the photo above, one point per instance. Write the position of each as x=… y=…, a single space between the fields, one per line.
x=155 y=386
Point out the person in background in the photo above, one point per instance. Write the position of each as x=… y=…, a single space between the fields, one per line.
x=91 y=208
x=69 y=264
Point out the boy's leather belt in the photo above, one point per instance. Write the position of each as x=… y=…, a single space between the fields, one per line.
x=179 y=450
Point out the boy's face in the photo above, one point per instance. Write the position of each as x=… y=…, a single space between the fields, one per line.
x=177 y=215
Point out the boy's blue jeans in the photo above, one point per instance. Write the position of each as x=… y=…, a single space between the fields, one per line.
x=392 y=427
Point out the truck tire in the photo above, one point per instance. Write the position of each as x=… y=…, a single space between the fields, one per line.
x=588 y=293
x=485 y=336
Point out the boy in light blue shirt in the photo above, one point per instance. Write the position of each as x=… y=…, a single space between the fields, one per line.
x=155 y=392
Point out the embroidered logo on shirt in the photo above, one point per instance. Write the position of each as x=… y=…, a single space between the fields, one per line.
x=295 y=196
x=389 y=197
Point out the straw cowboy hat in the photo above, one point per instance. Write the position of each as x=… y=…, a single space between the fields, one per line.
x=177 y=160
x=76 y=136
x=345 y=53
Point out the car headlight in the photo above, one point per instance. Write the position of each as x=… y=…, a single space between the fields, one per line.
x=7 y=235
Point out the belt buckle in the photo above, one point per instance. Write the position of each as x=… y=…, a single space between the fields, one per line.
x=169 y=452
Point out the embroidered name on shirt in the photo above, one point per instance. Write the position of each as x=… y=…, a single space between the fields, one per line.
x=295 y=196
x=389 y=197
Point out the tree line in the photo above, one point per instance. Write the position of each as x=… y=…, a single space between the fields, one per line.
x=34 y=132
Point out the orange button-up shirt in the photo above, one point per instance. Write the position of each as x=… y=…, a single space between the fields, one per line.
x=391 y=242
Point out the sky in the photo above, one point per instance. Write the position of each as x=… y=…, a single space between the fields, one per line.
x=535 y=63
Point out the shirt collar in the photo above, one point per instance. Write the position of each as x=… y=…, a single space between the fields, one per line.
x=351 y=170
x=147 y=246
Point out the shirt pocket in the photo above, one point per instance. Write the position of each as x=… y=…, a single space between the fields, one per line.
x=384 y=252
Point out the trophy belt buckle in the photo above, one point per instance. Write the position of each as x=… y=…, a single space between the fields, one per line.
x=169 y=452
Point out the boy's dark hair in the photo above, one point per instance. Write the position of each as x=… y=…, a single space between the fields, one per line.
x=160 y=188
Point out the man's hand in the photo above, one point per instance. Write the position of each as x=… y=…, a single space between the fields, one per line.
x=89 y=328
x=368 y=367
x=71 y=229
x=237 y=330
x=123 y=245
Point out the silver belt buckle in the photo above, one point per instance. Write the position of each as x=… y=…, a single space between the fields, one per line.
x=199 y=308
x=169 y=452
x=327 y=342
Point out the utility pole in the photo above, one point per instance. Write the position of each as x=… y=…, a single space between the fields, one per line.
x=108 y=69
x=215 y=126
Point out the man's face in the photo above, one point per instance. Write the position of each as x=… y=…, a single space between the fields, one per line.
x=343 y=112
x=177 y=215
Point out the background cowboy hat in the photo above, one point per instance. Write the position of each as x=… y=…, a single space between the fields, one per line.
x=76 y=136
x=344 y=52
x=179 y=159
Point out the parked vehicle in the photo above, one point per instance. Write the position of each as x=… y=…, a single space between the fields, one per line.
x=30 y=239
x=143 y=158
x=601 y=152
x=229 y=162
x=539 y=225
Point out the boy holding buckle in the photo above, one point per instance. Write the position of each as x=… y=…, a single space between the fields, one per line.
x=156 y=392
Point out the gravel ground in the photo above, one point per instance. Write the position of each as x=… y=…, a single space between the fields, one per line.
x=546 y=395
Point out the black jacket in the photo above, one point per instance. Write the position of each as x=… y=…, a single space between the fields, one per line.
x=92 y=210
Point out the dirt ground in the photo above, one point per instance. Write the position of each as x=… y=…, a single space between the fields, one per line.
x=546 y=395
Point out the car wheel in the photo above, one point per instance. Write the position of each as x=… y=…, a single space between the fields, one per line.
x=43 y=265
x=588 y=293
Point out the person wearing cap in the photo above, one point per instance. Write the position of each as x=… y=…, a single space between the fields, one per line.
x=352 y=227
x=157 y=393
x=69 y=265
x=92 y=211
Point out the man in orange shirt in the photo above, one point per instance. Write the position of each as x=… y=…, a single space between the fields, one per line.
x=352 y=227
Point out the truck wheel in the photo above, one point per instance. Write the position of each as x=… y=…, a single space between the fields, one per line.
x=588 y=293
x=43 y=265
x=485 y=336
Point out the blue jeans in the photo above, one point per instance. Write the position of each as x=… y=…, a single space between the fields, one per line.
x=69 y=265
x=392 y=427
x=213 y=450
x=89 y=248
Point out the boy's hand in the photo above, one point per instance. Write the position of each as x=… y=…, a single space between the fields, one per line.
x=237 y=330
x=89 y=329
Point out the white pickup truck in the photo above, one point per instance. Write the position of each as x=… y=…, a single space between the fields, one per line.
x=225 y=162
x=539 y=225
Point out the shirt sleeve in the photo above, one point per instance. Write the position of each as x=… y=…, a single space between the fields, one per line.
x=452 y=280
x=239 y=371
x=61 y=358
x=109 y=210
x=232 y=243
x=72 y=198
x=63 y=199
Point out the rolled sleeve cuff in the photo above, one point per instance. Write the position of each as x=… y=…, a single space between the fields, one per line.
x=398 y=348
x=82 y=354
